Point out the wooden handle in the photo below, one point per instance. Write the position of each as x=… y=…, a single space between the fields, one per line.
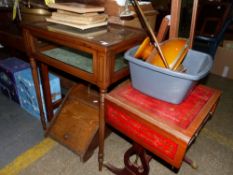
x=193 y=23
x=150 y=32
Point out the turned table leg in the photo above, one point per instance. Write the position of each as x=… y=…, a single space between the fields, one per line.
x=46 y=91
x=101 y=129
x=37 y=88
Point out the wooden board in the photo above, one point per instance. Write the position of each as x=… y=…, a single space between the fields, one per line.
x=76 y=25
x=76 y=124
x=76 y=7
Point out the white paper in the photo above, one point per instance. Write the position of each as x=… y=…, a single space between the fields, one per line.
x=121 y=2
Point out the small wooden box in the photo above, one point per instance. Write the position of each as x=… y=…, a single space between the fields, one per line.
x=77 y=122
x=165 y=129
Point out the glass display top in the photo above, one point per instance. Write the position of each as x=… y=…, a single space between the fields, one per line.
x=104 y=35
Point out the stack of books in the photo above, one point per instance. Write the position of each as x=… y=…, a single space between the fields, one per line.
x=78 y=15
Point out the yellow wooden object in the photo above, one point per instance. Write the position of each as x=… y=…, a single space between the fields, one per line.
x=174 y=51
x=144 y=50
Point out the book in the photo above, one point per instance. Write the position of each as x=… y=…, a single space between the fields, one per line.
x=79 y=19
x=80 y=14
x=77 y=25
x=76 y=7
x=89 y=33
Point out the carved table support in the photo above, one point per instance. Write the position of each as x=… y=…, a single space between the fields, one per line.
x=133 y=168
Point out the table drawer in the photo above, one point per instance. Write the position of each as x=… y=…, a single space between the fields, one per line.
x=162 y=144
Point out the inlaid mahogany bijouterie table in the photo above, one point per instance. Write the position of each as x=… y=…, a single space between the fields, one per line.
x=95 y=56
x=162 y=128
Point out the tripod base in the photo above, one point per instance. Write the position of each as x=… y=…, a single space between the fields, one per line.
x=133 y=168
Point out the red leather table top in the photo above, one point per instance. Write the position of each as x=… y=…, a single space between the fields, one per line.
x=163 y=128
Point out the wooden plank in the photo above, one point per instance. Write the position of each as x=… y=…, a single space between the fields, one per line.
x=76 y=124
x=193 y=23
x=175 y=18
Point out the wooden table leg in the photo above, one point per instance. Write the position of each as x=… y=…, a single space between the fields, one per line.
x=37 y=88
x=46 y=91
x=101 y=129
x=133 y=168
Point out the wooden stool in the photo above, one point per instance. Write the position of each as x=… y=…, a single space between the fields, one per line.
x=165 y=129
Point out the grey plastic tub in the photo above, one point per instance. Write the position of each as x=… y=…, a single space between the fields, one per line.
x=165 y=84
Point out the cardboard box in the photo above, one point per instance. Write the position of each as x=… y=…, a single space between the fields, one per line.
x=114 y=10
x=16 y=82
x=228 y=44
x=27 y=94
x=9 y=68
x=223 y=62
x=134 y=22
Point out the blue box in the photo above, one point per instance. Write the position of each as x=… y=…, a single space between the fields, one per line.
x=9 y=67
x=27 y=94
